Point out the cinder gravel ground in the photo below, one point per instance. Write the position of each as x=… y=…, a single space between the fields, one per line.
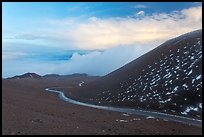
x=28 y=110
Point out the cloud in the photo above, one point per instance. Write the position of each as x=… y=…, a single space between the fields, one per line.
x=71 y=21
x=100 y=33
x=93 y=63
x=105 y=33
x=6 y=55
x=30 y=37
x=123 y=39
x=102 y=63
x=139 y=6
x=198 y=3
x=140 y=13
x=27 y=36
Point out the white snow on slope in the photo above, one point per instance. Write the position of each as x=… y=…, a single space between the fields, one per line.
x=80 y=84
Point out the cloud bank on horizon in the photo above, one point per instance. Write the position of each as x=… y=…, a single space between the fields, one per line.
x=121 y=37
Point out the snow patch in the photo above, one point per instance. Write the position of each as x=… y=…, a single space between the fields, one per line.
x=188 y=109
x=125 y=115
x=184 y=85
x=190 y=72
x=136 y=119
x=150 y=117
x=121 y=120
x=200 y=105
x=80 y=84
x=198 y=77
x=165 y=101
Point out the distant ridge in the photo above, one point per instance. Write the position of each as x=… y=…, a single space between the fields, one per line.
x=26 y=75
x=71 y=75
x=34 y=75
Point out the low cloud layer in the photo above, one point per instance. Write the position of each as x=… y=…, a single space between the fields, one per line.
x=102 y=63
x=93 y=63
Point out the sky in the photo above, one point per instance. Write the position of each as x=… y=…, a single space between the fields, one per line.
x=88 y=37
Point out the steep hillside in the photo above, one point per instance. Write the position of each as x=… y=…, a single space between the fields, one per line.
x=167 y=79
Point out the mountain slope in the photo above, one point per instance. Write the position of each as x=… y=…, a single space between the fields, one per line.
x=166 y=79
x=26 y=75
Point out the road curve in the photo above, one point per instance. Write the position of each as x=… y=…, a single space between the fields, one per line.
x=175 y=118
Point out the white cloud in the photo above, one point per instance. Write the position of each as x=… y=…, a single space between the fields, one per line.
x=140 y=6
x=104 y=33
x=100 y=33
x=94 y=63
x=102 y=63
x=140 y=13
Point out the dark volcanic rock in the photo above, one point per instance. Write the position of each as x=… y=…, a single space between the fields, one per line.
x=167 y=79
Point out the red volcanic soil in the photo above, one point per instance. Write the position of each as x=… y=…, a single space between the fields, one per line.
x=27 y=109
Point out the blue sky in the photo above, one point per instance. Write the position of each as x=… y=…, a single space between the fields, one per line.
x=27 y=17
x=37 y=29
x=20 y=10
x=17 y=15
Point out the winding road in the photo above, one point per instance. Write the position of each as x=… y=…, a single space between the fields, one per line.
x=175 y=118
